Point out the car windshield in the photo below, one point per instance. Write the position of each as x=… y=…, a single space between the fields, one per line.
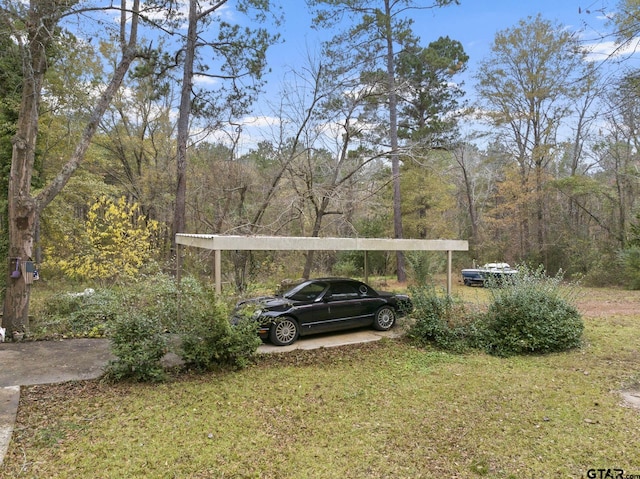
x=305 y=291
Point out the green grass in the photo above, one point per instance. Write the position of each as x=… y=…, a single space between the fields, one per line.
x=386 y=409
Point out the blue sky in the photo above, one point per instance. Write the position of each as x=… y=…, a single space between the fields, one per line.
x=474 y=23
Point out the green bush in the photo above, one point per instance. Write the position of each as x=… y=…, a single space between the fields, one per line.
x=160 y=297
x=347 y=267
x=423 y=265
x=441 y=319
x=528 y=313
x=192 y=312
x=531 y=313
x=139 y=345
x=209 y=340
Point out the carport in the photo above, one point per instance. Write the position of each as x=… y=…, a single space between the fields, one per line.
x=219 y=243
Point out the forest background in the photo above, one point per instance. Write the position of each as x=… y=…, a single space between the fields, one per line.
x=141 y=132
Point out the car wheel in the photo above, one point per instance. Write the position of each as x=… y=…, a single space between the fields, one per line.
x=284 y=331
x=385 y=318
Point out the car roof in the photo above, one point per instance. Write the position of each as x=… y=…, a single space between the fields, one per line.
x=334 y=279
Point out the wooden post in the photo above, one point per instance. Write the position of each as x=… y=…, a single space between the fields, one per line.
x=179 y=279
x=178 y=263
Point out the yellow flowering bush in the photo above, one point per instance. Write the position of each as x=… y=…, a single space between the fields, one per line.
x=116 y=242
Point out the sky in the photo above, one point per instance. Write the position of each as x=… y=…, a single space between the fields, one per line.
x=474 y=23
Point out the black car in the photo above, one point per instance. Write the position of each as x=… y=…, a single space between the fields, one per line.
x=323 y=305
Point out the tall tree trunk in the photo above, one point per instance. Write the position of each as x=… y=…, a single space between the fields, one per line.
x=22 y=206
x=393 y=137
x=468 y=194
x=24 y=209
x=183 y=124
x=315 y=232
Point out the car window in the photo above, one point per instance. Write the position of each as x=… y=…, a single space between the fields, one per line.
x=307 y=292
x=340 y=291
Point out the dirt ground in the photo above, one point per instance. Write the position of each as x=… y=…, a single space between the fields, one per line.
x=606 y=308
x=616 y=302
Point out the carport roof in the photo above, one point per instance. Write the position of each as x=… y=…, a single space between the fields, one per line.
x=279 y=243
x=220 y=243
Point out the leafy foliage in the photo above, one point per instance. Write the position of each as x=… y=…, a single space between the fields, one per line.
x=441 y=319
x=115 y=244
x=430 y=107
x=423 y=264
x=140 y=319
x=528 y=313
x=630 y=262
x=85 y=314
x=209 y=340
x=531 y=314
x=139 y=345
x=629 y=258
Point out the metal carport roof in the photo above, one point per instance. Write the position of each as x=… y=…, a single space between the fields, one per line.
x=220 y=243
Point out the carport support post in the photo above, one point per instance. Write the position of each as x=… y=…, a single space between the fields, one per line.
x=217 y=270
x=449 y=254
x=366 y=267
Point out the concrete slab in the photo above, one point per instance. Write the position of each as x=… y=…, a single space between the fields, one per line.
x=9 y=400
x=45 y=362
x=331 y=340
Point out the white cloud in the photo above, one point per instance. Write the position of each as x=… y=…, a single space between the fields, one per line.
x=205 y=81
x=610 y=49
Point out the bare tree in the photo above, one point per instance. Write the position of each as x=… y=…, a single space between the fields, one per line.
x=372 y=42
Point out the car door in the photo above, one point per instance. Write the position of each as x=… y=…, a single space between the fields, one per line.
x=309 y=306
x=343 y=308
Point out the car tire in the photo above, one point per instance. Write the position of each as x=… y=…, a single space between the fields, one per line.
x=284 y=331
x=385 y=319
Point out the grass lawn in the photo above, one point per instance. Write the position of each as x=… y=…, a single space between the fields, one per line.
x=385 y=409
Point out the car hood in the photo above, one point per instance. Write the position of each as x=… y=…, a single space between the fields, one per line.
x=272 y=303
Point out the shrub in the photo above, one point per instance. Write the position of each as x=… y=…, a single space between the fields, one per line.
x=528 y=313
x=423 y=265
x=156 y=305
x=441 y=319
x=139 y=345
x=159 y=296
x=208 y=339
x=531 y=313
x=346 y=267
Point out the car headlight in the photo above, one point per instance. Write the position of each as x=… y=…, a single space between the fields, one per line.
x=256 y=314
